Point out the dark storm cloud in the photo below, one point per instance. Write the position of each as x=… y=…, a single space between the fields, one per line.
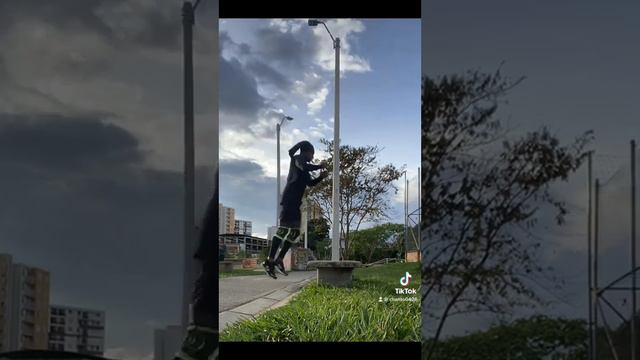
x=238 y=91
x=78 y=202
x=254 y=63
x=269 y=75
x=125 y=23
x=58 y=143
x=286 y=48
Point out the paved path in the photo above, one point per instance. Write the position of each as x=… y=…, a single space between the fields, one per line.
x=243 y=297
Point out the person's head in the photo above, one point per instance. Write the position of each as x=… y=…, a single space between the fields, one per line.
x=307 y=150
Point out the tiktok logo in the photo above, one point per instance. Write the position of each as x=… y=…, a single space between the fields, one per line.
x=404 y=281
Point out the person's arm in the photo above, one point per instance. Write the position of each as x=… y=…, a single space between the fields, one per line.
x=305 y=166
x=295 y=148
x=317 y=180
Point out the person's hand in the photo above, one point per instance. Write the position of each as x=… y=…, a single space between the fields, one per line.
x=324 y=163
x=324 y=174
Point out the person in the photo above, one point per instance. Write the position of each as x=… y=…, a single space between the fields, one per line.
x=298 y=179
x=201 y=341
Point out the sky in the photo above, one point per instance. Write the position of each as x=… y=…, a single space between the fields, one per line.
x=91 y=131
x=273 y=67
x=580 y=64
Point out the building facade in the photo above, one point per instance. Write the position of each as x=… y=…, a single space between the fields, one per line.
x=77 y=330
x=242 y=227
x=227 y=218
x=249 y=244
x=24 y=306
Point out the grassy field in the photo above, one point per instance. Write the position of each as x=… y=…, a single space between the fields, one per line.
x=322 y=313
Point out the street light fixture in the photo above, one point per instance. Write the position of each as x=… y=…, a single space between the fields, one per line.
x=335 y=241
x=278 y=192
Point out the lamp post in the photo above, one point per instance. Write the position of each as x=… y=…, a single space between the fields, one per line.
x=335 y=241
x=279 y=190
x=406 y=207
x=188 y=20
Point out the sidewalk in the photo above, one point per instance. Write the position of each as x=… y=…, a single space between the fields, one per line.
x=245 y=297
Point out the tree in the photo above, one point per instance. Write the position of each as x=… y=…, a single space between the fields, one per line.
x=538 y=337
x=376 y=243
x=481 y=197
x=364 y=188
x=318 y=231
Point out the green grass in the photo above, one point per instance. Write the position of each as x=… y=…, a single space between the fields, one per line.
x=323 y=313
x=240 y=272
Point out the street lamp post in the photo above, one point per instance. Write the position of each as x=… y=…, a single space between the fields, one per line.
x=406 y=207
x=188 y=20
x=279 y=190
x=335 y=241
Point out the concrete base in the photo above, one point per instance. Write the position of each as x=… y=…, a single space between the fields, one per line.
x=334 y=273
x=225 y=266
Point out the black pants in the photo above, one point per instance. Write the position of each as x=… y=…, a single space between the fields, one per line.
x=205 y=293
x=290 y=216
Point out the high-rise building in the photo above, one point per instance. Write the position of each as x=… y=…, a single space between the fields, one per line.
x=167 y=342
x=77 y=330
x=5 y=304
x=243 y=227
x=271 y=232
x=227 y=219
x=24 y=306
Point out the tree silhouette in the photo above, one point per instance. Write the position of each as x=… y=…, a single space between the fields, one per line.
x=482 y=190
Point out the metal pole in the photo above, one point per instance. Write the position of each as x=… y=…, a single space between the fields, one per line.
x=590 y=275
x=419 y=211
x=335 y=243
x=306 y=223
x=406 y=196
x=189 y=166
x=278 y=176
x=633 y=251
x=595 y=270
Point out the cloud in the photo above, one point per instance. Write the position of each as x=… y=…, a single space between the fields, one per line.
x=111 y=57
x=244 y=186
x=238 y=92
x=345 y=29
x=59 y=144
x=83 y=205
x=314 y=89
x=286 y=49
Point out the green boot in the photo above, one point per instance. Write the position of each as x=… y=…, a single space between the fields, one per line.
x=201 y=343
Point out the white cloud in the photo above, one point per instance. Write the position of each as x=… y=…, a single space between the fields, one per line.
x=345 y=29
x=318 y=101
x=314 y=89
x=290 y=25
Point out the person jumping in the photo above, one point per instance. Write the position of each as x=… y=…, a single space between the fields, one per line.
x=288 y=232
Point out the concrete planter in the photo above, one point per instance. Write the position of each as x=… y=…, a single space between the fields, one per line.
x=334 y=273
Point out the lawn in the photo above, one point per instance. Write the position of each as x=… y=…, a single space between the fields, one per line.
x=322 y=313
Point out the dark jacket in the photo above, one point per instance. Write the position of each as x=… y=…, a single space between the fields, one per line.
x=298 y=179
